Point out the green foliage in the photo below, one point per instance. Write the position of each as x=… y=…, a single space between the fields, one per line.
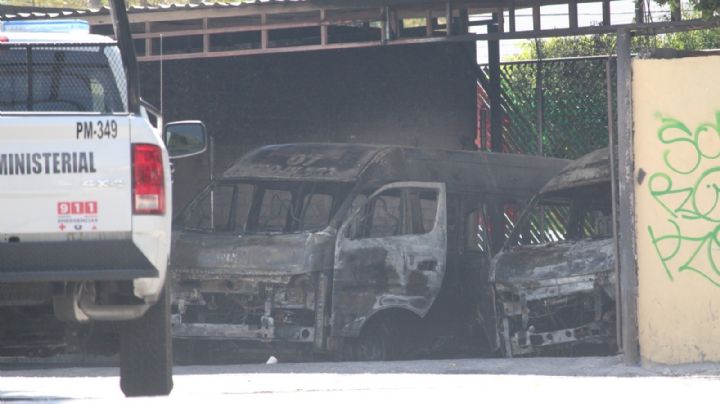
x=414 y=22
x=692 y=40
x=562 y=47
x=705 y=8
x=600 y=45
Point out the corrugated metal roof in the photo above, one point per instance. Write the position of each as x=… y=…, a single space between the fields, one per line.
x=72 y=13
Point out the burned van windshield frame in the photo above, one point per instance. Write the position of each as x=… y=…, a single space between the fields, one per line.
x=264 y=207
x=559 y=216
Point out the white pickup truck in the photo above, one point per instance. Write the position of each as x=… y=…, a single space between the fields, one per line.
x=85 y=193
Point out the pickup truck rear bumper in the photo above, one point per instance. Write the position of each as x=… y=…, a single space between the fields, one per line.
x=92 y=260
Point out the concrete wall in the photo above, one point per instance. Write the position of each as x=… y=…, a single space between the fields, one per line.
x=416 y=95
x=676 y=108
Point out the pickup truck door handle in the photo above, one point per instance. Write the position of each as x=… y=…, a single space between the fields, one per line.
x=427 y=265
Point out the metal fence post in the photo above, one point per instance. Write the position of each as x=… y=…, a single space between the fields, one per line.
x=614 y=180
x=496 y=112
x=539 y=96
x=626 y=191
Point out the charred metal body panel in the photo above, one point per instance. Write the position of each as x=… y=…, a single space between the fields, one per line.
x=258 y=287
x=592 y=168
x=558 y=295
x=378 y=273
x=276 y=272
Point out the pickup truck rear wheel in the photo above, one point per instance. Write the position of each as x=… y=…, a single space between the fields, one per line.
x=146 y=352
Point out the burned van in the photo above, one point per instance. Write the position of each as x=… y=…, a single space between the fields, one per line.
x=342 y=248
x=554 y=278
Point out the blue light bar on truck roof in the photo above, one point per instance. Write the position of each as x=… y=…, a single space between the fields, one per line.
x=46 y=26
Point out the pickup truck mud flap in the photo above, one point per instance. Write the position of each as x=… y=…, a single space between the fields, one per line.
x=73 y=261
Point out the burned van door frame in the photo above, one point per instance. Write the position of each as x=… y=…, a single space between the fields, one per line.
x=399 y=272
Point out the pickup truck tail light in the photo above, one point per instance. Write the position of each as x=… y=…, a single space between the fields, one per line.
x=148 y=180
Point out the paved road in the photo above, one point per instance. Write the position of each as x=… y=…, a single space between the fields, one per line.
x=586 y=380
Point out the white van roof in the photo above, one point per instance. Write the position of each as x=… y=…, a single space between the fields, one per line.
x=36 y=37
x=49 y=31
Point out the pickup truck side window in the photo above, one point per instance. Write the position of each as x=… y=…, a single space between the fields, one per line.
x=70 y=78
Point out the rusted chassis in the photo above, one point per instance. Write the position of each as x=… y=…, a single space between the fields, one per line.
x=341 y=288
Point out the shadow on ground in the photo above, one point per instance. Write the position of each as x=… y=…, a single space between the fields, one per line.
x=21 y=396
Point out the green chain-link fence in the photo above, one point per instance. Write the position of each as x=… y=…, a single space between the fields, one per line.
x=553 y=107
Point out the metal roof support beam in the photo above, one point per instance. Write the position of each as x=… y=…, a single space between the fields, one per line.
x=148 y=40
x=511 y=15
x=606 y=12
x=648 y=29
x=264 y=33
x=675 y=10
x=626 y=191
x=397 y=24
x=463 y=21
x=448 y=19
x=206 y=37
x=385 y=25
x=573 y=13
x=536 y=18
x=209 y=21
x=500 y=20
x=335 y=12
x=639 y=11
x=323 y=28
x=662 y=27
x=428 y=24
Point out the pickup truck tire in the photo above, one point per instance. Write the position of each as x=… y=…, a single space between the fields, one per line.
x=146 y=352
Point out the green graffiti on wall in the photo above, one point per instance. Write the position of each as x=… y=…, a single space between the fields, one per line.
x=692 y=159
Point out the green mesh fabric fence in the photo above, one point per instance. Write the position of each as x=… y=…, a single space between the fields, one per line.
x=554 y=107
